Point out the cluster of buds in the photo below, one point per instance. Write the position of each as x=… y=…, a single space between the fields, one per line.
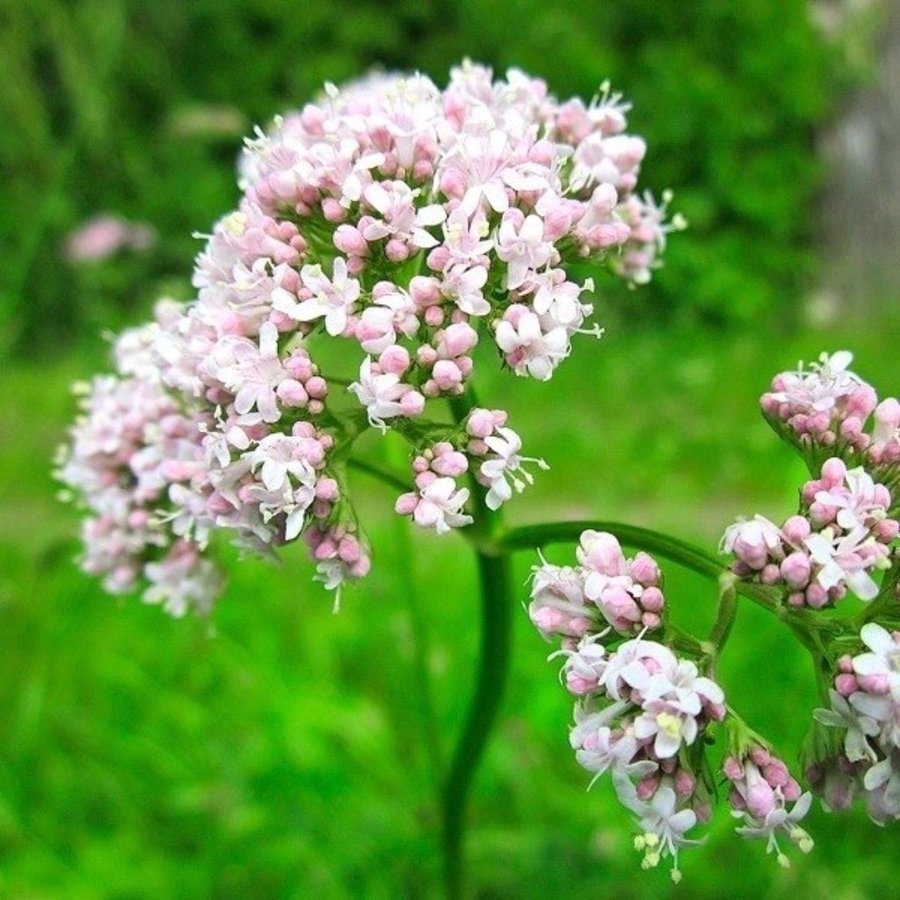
x=644 y=713
x=761 y=789
x=826 y=410
x=842 y=533
x=406 y=222
x=865 y=706
x=604 y=589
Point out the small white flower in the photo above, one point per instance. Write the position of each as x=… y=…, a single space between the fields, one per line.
x=859 y=727
x=529 y=350
x=440 y=504
x=333 y=298
x=504 y=470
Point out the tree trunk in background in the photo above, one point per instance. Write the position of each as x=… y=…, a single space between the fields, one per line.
x=861 y=207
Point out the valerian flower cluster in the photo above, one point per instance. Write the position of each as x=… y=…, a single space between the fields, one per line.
x=407 y=224
x=648 y=708
x=643 y=713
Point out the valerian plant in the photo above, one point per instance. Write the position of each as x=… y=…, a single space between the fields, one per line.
x=404 y=225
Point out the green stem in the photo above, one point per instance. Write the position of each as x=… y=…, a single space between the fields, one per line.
x=725 y=613
x=527 y=537
x=496 y=614
x=420 y=643
x=495 y=582
x=379 y=472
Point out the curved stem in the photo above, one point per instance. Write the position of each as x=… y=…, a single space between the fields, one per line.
x=527 y=537
x=495 y=582
x=496 y=613
x=725 y=613
x=379 y=472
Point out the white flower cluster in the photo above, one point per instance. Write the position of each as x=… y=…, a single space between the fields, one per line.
x=640 y=709
x=865 y=705
x=406 y=222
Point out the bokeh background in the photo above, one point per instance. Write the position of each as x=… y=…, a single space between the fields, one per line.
x=277 y=750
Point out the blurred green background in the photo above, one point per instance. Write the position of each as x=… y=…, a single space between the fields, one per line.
x=277 y=750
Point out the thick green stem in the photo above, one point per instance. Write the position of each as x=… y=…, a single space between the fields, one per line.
x=428 y=723
x=495 y=583
x=496 y=615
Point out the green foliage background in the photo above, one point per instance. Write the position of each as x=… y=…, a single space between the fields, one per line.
x=278 y=751
x=98 y=94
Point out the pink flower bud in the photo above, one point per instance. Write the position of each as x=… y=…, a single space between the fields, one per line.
x=450 y=464
x=795 y=570
x=776 y=773
x=652 y=599
x=426 y=355
x=619 y=607
x=327 y=489
x=394 y=360
x=647 y=786
x=291 y=393
x=446 y=374
x=796 y=529
x=348 y=240
x=816 y=596
x=317 y=387
x=645 y=571
x=834 y=472
x=333 y=211
x=601 y=551
x=684 y=783
x=845 y=684
x=348 y=549
x=760 y=798
x=438 y=258
x=396 y=251
x=480 y=423
x=760 y=756
x=412 y=403
x=425 y=291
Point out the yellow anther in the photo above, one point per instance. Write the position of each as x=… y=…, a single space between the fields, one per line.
x=669 y=725
x=236 y=223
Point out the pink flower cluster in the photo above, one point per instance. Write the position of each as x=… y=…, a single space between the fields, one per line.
x=865 y=705
x=826 y=409
x=483 y=445
x=761 y=788
x=131 y=445
x=842 y=533
x=605 y=588
x=408 y=223
x=639 y=705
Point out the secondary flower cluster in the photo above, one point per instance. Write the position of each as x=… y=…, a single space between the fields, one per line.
x=642 y=711
x=848 y=517
x=825 y=411
x=761 y=788
x=406 y=223
x=841 y=534
x=605 y=588
x=865 y=705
